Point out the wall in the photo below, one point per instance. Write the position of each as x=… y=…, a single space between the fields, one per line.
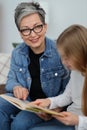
x=59 y=16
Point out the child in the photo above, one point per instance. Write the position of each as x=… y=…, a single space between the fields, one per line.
x=72 y=47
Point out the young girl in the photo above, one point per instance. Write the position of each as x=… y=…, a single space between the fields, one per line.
x=72 y=47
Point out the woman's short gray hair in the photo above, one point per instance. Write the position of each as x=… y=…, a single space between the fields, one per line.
x=27 y=8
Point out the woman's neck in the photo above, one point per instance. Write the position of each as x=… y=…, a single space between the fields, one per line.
x=39 y=49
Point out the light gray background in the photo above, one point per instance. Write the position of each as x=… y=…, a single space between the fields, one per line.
x=60 y=14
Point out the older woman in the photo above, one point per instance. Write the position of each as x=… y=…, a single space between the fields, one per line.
x=35 y=72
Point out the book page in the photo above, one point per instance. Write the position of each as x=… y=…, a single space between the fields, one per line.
x=28 y=106
x=43 y=110
x=15 y=101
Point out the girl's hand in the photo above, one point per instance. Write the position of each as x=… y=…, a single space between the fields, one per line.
x=68 y=119
x=42 y=102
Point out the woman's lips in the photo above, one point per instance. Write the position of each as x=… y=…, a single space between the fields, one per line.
x=35 y=40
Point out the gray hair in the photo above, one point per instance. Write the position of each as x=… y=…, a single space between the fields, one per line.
x=27 y=8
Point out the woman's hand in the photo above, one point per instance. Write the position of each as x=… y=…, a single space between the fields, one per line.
x=42 y=102
x=20 y=92
x=68 y=119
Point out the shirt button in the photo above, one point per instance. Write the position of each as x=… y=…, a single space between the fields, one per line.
x=42 y=70
x=42 y=59
x=56 y=74
x=28 y=78
x=20 y=69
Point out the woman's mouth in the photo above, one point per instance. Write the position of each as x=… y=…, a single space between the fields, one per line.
x=35 y=40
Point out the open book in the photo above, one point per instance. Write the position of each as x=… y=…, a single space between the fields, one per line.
x=26 y=105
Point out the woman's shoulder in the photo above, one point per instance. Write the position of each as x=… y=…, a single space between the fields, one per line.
x=22 y=48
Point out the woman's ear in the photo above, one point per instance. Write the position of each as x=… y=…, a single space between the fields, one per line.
x=45 y=27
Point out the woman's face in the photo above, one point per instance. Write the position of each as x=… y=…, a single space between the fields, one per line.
x=36 y=38
x=67 y=61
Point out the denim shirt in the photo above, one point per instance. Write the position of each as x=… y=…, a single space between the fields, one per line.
x=53 y=75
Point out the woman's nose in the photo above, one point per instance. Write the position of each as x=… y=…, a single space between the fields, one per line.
x=32 y=33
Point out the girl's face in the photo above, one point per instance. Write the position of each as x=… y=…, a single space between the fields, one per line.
x=67 y=61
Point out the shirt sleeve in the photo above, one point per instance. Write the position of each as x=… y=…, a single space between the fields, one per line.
x=63 y=99
x=82 y=123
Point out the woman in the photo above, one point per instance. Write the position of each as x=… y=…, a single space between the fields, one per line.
x=35 y=68
x=72 y=47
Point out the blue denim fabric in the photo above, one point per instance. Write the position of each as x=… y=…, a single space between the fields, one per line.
x=53 y=75
x=52 y=125
x=37 y=124
x=6 y=111
x=54 y=78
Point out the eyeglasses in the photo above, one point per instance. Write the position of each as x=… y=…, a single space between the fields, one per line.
x=36 y=29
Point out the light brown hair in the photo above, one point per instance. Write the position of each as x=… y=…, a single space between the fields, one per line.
x=73 y=42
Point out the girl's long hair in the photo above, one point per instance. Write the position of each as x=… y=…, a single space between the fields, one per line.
x=73 y=42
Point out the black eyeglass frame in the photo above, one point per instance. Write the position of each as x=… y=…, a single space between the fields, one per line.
x=29 y=30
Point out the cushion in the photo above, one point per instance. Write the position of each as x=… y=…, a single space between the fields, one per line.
x=4 y=67
x=2 y=89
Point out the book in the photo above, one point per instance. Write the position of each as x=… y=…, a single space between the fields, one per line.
x=28 y=106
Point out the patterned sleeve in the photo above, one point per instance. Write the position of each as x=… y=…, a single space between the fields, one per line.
x=82 y=123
